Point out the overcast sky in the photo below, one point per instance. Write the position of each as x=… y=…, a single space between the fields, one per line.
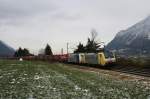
x=34 y=23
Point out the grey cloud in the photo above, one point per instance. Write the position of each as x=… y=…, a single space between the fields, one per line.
x=66 y=16
x=60 y=21
x=23 y=8
x=17 y=12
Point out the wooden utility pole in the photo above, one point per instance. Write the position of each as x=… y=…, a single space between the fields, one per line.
x=62 y=51
x=67 y=47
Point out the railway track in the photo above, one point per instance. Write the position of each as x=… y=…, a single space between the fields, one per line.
x=145 y=72
x=132 y=70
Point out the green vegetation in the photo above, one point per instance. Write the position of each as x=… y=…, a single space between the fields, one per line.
x=80 y=48
x=41 y=80
x=92 y=45
x=22 y=52
x=48 y=50
x=137 y=62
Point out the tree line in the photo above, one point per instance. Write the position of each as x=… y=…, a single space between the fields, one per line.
x=92 y=46
x=25 y=52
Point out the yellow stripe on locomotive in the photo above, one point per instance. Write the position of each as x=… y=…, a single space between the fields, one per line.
x=101 y=58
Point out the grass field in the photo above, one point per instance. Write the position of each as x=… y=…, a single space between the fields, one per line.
x=41 y=80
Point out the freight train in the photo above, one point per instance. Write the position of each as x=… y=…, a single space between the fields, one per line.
x=101 y=58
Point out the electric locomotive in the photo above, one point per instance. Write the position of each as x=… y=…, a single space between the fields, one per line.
x=101 y=58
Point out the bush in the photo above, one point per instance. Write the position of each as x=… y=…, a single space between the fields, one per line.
x=138 y=62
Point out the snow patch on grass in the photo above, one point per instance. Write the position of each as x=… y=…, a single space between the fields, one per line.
x=77 y=87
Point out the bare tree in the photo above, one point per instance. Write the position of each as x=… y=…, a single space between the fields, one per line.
x=94 y=34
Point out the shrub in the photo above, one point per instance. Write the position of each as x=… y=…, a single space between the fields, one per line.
x=132 y=61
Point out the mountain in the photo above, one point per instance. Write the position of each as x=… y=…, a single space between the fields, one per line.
x=134 y=40
x=6 y=50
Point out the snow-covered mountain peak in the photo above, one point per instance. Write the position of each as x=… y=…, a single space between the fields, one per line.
x=141 y=29
x=136 y=37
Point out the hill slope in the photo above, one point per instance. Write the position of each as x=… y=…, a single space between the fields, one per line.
x=135 y=39
x=5 y=50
